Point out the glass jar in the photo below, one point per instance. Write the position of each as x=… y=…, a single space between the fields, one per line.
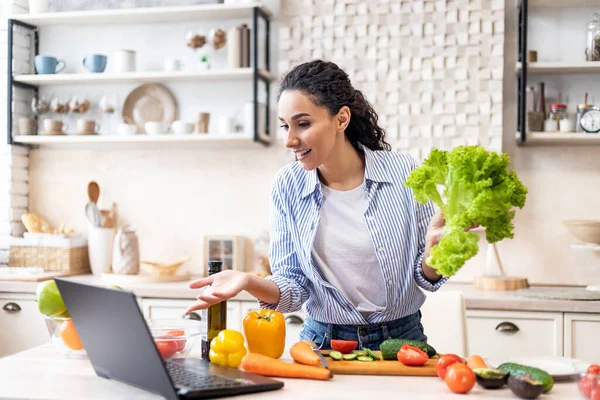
x=592 y=51
x=558 y=113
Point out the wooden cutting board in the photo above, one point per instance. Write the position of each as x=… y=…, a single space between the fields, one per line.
x=382 y=367
x=38 y=277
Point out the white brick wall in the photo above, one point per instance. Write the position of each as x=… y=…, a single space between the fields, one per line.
x=433 y=70
x=14 y=160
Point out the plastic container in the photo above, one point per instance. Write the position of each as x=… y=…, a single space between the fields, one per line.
x=54 y=325
x=587 y=383
x=176 y=338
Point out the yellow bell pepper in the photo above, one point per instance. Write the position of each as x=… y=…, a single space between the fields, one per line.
x=227 y=348
x=265 y=332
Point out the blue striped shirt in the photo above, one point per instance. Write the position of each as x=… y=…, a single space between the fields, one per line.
x=397 y=225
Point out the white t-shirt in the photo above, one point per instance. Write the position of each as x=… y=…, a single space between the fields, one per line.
x=344 y=252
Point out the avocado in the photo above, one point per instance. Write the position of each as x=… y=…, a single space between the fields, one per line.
x=525 y=387
x=489 y=378
x=390 y=347
x=518 y=370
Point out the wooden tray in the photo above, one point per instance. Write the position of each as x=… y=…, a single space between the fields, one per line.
x=39 y=277
x=114 y=279
x=382 y=367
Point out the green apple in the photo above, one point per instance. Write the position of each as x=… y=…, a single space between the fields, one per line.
x=49 y=300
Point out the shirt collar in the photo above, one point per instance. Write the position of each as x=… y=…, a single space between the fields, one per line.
x=375 y=171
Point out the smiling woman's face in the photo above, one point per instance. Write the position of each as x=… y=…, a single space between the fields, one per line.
x=311 y=132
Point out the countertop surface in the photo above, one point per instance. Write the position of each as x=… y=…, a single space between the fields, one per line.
x=474 y=298
x=44 y=373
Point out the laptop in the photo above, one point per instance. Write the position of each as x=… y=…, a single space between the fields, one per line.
x=118 y=342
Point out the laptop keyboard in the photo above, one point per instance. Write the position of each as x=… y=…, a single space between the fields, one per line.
x=183 y=377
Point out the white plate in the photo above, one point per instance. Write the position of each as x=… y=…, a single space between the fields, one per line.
x=561 y=368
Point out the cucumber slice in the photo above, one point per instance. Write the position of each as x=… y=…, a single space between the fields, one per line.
x=372 y=354
x=349 y=357
x=364 y=358
x=336 y=355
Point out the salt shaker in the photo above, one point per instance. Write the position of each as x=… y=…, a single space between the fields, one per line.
x=126 y=252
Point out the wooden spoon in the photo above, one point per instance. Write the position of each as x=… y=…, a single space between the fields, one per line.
x=93 y=191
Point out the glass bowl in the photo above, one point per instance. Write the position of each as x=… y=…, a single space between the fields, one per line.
x=64 y=336
x=588 y=382
x=175 y=338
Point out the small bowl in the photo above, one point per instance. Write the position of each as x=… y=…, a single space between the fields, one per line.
x=585 y=230
x=54 y=324
x=175 y=338
x=586 y=383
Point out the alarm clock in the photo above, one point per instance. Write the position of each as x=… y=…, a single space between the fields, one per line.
x=590 y=120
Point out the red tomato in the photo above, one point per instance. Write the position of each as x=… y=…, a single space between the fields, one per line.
x=344 y=346
x=180 y=343
x=460 y=378
x=412 y=356
x=594 y=369
x=444 y=362
x=595 y=395
x=166 y=348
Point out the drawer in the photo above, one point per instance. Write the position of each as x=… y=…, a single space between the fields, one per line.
x=581 y=337
x=173 y=309
x=499 y=335
x=23 y=327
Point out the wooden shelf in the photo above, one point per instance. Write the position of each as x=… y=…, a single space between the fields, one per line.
x=563 y=3
x=68 y=140
x=583 y=67
x=552 y=138
x=143 y=15
x=135 y=77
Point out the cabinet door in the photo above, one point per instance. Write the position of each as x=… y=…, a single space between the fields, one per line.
x=173 y=309
x=581 y=337
x=500 y=335
x=22 y=325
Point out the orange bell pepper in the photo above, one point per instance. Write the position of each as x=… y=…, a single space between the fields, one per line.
x=265 y=332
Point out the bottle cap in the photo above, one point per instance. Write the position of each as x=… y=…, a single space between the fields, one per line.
x=214 y=267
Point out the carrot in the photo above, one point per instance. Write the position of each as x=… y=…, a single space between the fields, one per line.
x=476 y=361
x=267 y=366
x=304 y=354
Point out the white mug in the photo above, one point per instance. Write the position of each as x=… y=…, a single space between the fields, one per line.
x=173 y=64
x=38 y=6
x=226 y=125
x=124 y=61
x=155 y=128
x=126 y=129
x=182 y=127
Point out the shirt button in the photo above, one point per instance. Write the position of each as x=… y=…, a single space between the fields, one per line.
x=390 y=282
x=381 y=249
x=370 y=218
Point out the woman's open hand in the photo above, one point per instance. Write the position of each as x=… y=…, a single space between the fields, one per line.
x=219 y=287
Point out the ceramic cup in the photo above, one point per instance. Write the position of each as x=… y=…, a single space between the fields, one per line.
x=87 y=127
x=124 y=61
x=202 y=122
x=48 y=65
x=38 y=6
x=95 y=62
x=126 y=129
x=182 y=127
x=156 y=128
x=226 y=125
x=173 y=64
x=54 y=127
x=27 y=126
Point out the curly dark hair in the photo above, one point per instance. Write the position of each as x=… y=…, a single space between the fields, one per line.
x=329 y=86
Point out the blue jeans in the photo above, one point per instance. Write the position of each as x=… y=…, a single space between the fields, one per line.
x=369 y=336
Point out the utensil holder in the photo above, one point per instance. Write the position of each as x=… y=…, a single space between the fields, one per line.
x=100 y=248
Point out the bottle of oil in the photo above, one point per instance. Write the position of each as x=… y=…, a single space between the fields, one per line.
x=216 y=319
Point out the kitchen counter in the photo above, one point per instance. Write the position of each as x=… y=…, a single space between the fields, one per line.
x=43 y=373
x=474 y=299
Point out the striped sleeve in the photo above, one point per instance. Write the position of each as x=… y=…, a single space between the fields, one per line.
x=285 y=266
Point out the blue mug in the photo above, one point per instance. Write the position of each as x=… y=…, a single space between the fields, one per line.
x=95 y=62
x=48 y=65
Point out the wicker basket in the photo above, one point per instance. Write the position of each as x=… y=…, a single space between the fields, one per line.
x=56 y=254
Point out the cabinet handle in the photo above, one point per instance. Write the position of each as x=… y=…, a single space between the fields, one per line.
x=294 y=319
x=11 y=307
x=193 y=315
x=507 y=327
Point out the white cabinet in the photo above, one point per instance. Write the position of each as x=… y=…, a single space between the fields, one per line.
x=499 y=335
x=21 y=324
x=173 y=309
x=582 y=337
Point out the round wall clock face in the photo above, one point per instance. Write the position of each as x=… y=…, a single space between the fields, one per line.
x=590 y=120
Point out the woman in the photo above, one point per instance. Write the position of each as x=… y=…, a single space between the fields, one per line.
x=347 y=239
